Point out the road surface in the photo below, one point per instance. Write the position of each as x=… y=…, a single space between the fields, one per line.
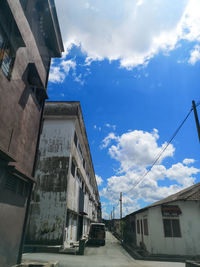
x=110 y=255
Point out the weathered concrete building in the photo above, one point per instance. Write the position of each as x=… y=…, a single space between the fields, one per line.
x=29 y=38
x=66 y=197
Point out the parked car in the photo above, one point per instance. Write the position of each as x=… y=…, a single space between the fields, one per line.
x=97 y=234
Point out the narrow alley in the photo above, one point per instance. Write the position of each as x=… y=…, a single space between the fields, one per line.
x=112 y=254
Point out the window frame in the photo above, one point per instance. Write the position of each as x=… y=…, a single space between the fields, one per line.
x=6 y=67
x=138 y=226
x=73 y=168
x=172 y=231
x=145 y=225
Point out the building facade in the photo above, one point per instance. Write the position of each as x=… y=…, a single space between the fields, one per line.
x=66 y=197
x=169 y=226
x=29 y=38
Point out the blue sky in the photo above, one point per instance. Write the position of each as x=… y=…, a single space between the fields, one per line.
x=136 y=83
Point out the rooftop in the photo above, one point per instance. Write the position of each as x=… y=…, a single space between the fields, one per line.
x=189 y=193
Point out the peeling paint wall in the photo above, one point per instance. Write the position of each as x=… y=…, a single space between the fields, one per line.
x=65 y=169
x=73 y=194
x=48 y=208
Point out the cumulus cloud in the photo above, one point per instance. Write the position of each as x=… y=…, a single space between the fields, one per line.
x=99 y=180
x=59 y=73
x=135 y=151
x=56 y=75
x=129 y=31
x=195 y=55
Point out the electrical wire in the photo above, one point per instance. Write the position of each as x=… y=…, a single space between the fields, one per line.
x=160 y=154
x=163 y=150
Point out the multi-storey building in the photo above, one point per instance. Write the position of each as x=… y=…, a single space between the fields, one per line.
x=66 y=197
x=29 y=38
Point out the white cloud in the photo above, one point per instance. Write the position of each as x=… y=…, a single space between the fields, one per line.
x=56 y=75
x=59 y=73
x=182 y=174
x=99 y=180
x=135 y=151
x=129 y=31
x=78 y=79
x=108 y=125
x=195 y=55
x=188 y=161
x=107 y=140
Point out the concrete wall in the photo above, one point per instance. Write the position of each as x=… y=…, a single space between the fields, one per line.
x=57 y=185
x=48 y=208
x=19 y=125
x=12 y=210
x=19 y=120
x=187 y=244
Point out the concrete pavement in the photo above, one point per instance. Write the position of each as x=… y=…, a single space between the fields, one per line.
x=112 y=255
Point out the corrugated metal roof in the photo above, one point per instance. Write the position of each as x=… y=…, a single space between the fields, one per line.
x=189 y=193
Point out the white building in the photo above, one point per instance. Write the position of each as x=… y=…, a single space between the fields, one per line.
x=171 y=226
x=66 y=197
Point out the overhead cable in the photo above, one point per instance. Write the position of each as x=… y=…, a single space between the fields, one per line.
x=163 y=150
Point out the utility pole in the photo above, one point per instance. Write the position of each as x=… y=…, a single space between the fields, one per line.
x=196 y=118
x=111 y=215
x=120 y=200
x=113 y=212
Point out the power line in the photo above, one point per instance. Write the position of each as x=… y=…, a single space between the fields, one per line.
x=160 y=154
x=163 y=150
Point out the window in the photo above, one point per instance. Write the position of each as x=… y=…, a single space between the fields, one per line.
x=75 y=139
x=73 y=168
x=11 y=184
x=171 y=228
x=141 y=227
x=78 y=177
x=7 y=55
x=83 y=163
x=145 y=223
x=138 y=227
x=17 y=186
x=80 y=150
x=133 y=227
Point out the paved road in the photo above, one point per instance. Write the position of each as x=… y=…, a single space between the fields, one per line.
x=112 y=254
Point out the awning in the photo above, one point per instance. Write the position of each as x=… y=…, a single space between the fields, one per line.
x=82 y=213
x=170 y=210
x=20 y=173
x=5 y=155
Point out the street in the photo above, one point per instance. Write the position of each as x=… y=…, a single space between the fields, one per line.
x=112 y=254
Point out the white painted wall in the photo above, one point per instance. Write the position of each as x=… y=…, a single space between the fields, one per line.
x=187 y=244
x=71 y=230
x=72 y=193
x=56 y=137
x=86 y=225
